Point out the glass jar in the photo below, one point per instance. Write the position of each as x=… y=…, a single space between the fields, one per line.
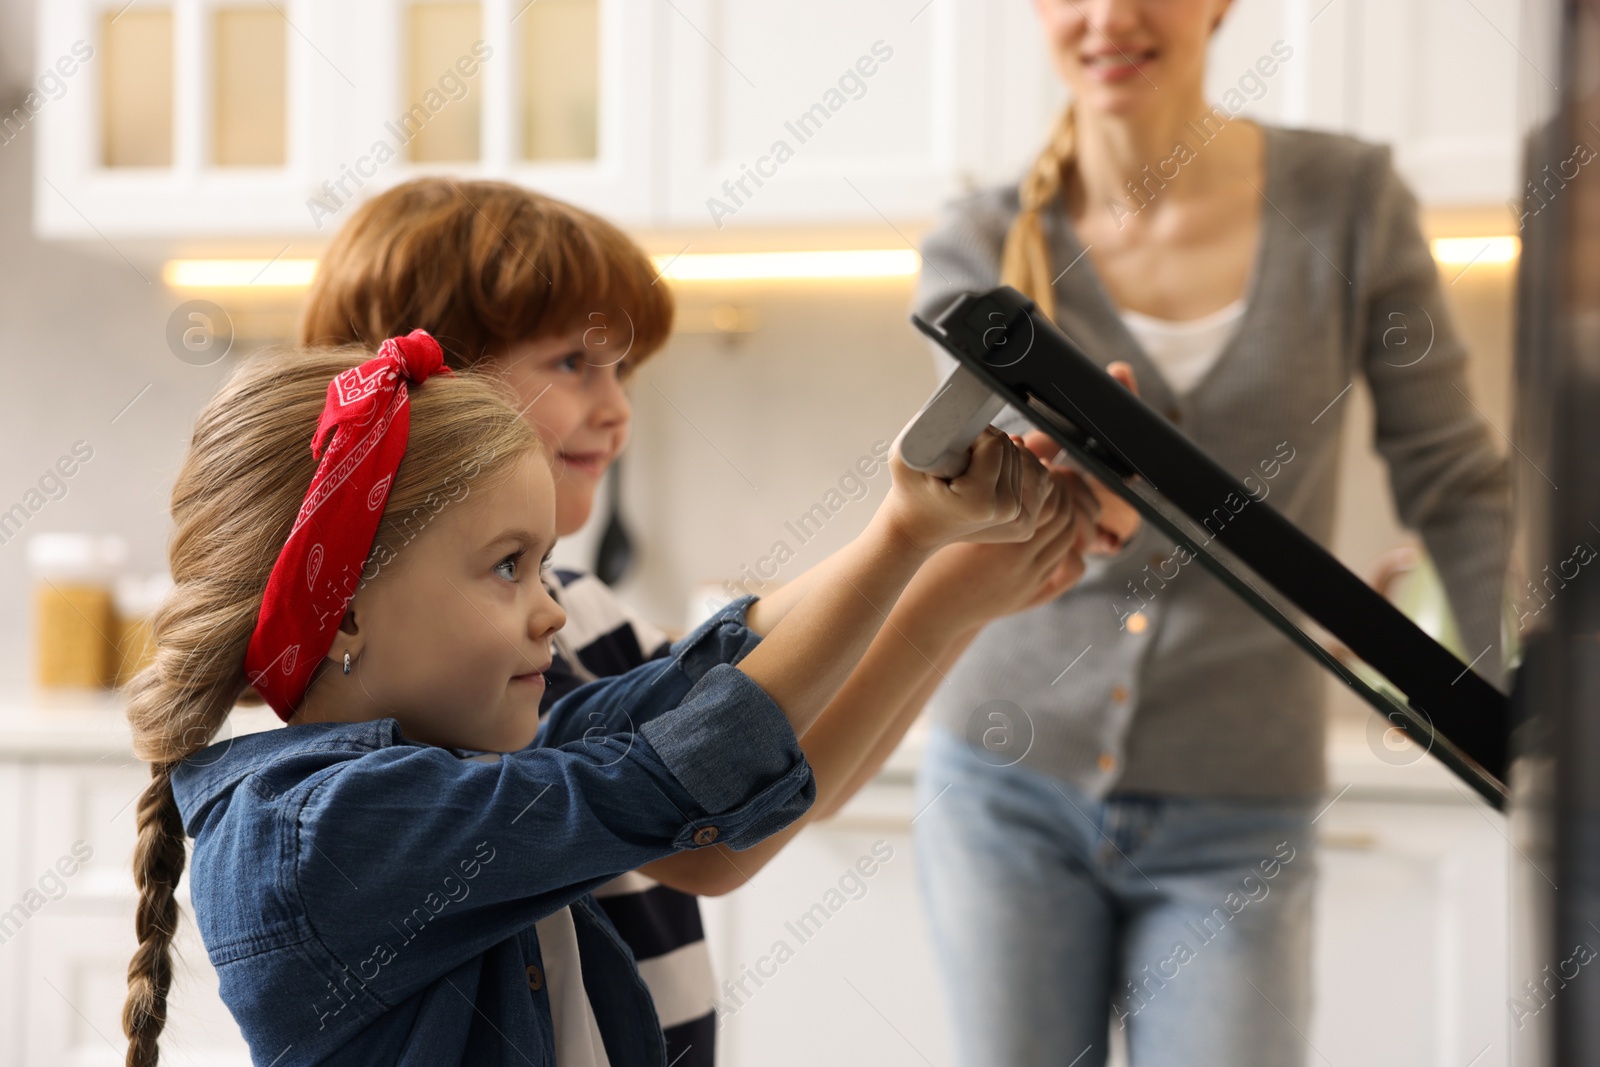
x=73 y=617
x=135 y=600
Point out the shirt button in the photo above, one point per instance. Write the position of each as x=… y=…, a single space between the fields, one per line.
x=535 y=978
x=1107 y=763
x=705 y=835
x=1119 y=693
x=1137 y=623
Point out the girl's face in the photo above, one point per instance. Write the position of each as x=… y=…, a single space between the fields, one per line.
x=452 y=635
x=570 y=387
x=1117 y=56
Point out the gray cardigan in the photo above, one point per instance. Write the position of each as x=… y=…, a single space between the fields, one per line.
x=1206 y=699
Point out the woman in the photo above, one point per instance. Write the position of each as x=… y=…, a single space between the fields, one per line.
x=1118 y=794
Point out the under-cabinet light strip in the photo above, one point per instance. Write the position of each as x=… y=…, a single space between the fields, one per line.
x=728 y=266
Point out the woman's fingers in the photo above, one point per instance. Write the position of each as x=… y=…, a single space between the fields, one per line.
x=1123 y=373
x=1041 y=444
x=1117 y=521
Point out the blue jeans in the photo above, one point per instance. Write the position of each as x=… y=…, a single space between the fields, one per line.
x=1057 y=918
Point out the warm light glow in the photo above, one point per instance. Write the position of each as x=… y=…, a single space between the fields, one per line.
x=1460 y=251
x=690 y=267
x=752 y=266
x=239 y=273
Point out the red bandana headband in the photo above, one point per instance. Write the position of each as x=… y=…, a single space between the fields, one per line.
x=368 y=412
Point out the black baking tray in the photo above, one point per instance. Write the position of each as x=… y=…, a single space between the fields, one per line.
x=1419 y=686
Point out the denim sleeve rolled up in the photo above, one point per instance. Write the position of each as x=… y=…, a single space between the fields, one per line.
x=367 y=899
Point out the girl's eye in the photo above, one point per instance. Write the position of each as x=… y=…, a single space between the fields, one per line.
x=544 y=564
x=573 y=363
x=510 y=561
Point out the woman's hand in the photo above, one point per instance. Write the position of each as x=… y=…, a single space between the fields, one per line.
x=1118 y=521
x=1001 y=497
x=965 y=586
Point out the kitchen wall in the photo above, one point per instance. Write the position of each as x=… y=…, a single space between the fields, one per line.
x=83 y=357
x=734 y=438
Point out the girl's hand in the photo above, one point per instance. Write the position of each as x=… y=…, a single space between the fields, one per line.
x=1001 y=497
x=967 y=585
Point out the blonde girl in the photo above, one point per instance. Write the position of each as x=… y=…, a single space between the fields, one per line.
x=402 y=873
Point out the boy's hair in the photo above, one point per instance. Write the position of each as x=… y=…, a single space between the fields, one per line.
x=235 y=499
x=482 y=265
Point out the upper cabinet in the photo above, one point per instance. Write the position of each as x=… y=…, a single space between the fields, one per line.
x=1438 y=80
x=230 y=118
x=833 y=110
x=236 y=117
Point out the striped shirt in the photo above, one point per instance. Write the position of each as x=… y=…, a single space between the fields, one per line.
x=659 y=924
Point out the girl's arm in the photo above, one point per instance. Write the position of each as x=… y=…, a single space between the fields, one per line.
x=963 y=587
x=1116 y=521
x=845 y=748
x=821 y=637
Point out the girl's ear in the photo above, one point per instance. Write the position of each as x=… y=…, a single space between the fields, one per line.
x=349 y=639
x=1216 y=22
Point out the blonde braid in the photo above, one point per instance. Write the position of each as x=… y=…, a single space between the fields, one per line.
x=1025 y=260
x=158 y=862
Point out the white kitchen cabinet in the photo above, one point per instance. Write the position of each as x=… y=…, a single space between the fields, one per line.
x=860 y=985
x=709 y=113
x=350 y=81
x=1410 y=935
x=1436 y=79
x=70 y=788
x=77 y=980
x=14 y=831
x=834 y=111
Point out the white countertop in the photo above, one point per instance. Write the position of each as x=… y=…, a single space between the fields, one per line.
x=87 y=726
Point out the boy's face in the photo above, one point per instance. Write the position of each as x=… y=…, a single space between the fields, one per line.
x=571 y=391
x=453 y=635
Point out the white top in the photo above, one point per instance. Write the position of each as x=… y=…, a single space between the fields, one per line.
x=1186 y=350
x=577 y=1035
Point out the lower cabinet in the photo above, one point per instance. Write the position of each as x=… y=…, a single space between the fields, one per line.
x=1411 y=958
x=823 y=959
x=77 y=980
x=822 y=965
x=67 y=925
x=1409 y=966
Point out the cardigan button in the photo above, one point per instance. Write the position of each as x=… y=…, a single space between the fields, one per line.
x=1107 y=763
x=705 y=835
x=1137 y=622
x=535 y=977
x=1119 y=693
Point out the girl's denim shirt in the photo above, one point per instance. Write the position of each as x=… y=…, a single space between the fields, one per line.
x=367 y=899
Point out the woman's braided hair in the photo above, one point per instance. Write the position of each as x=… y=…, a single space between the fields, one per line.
x=1025 y=260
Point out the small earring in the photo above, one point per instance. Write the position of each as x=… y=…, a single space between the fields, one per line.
x=347 y=662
